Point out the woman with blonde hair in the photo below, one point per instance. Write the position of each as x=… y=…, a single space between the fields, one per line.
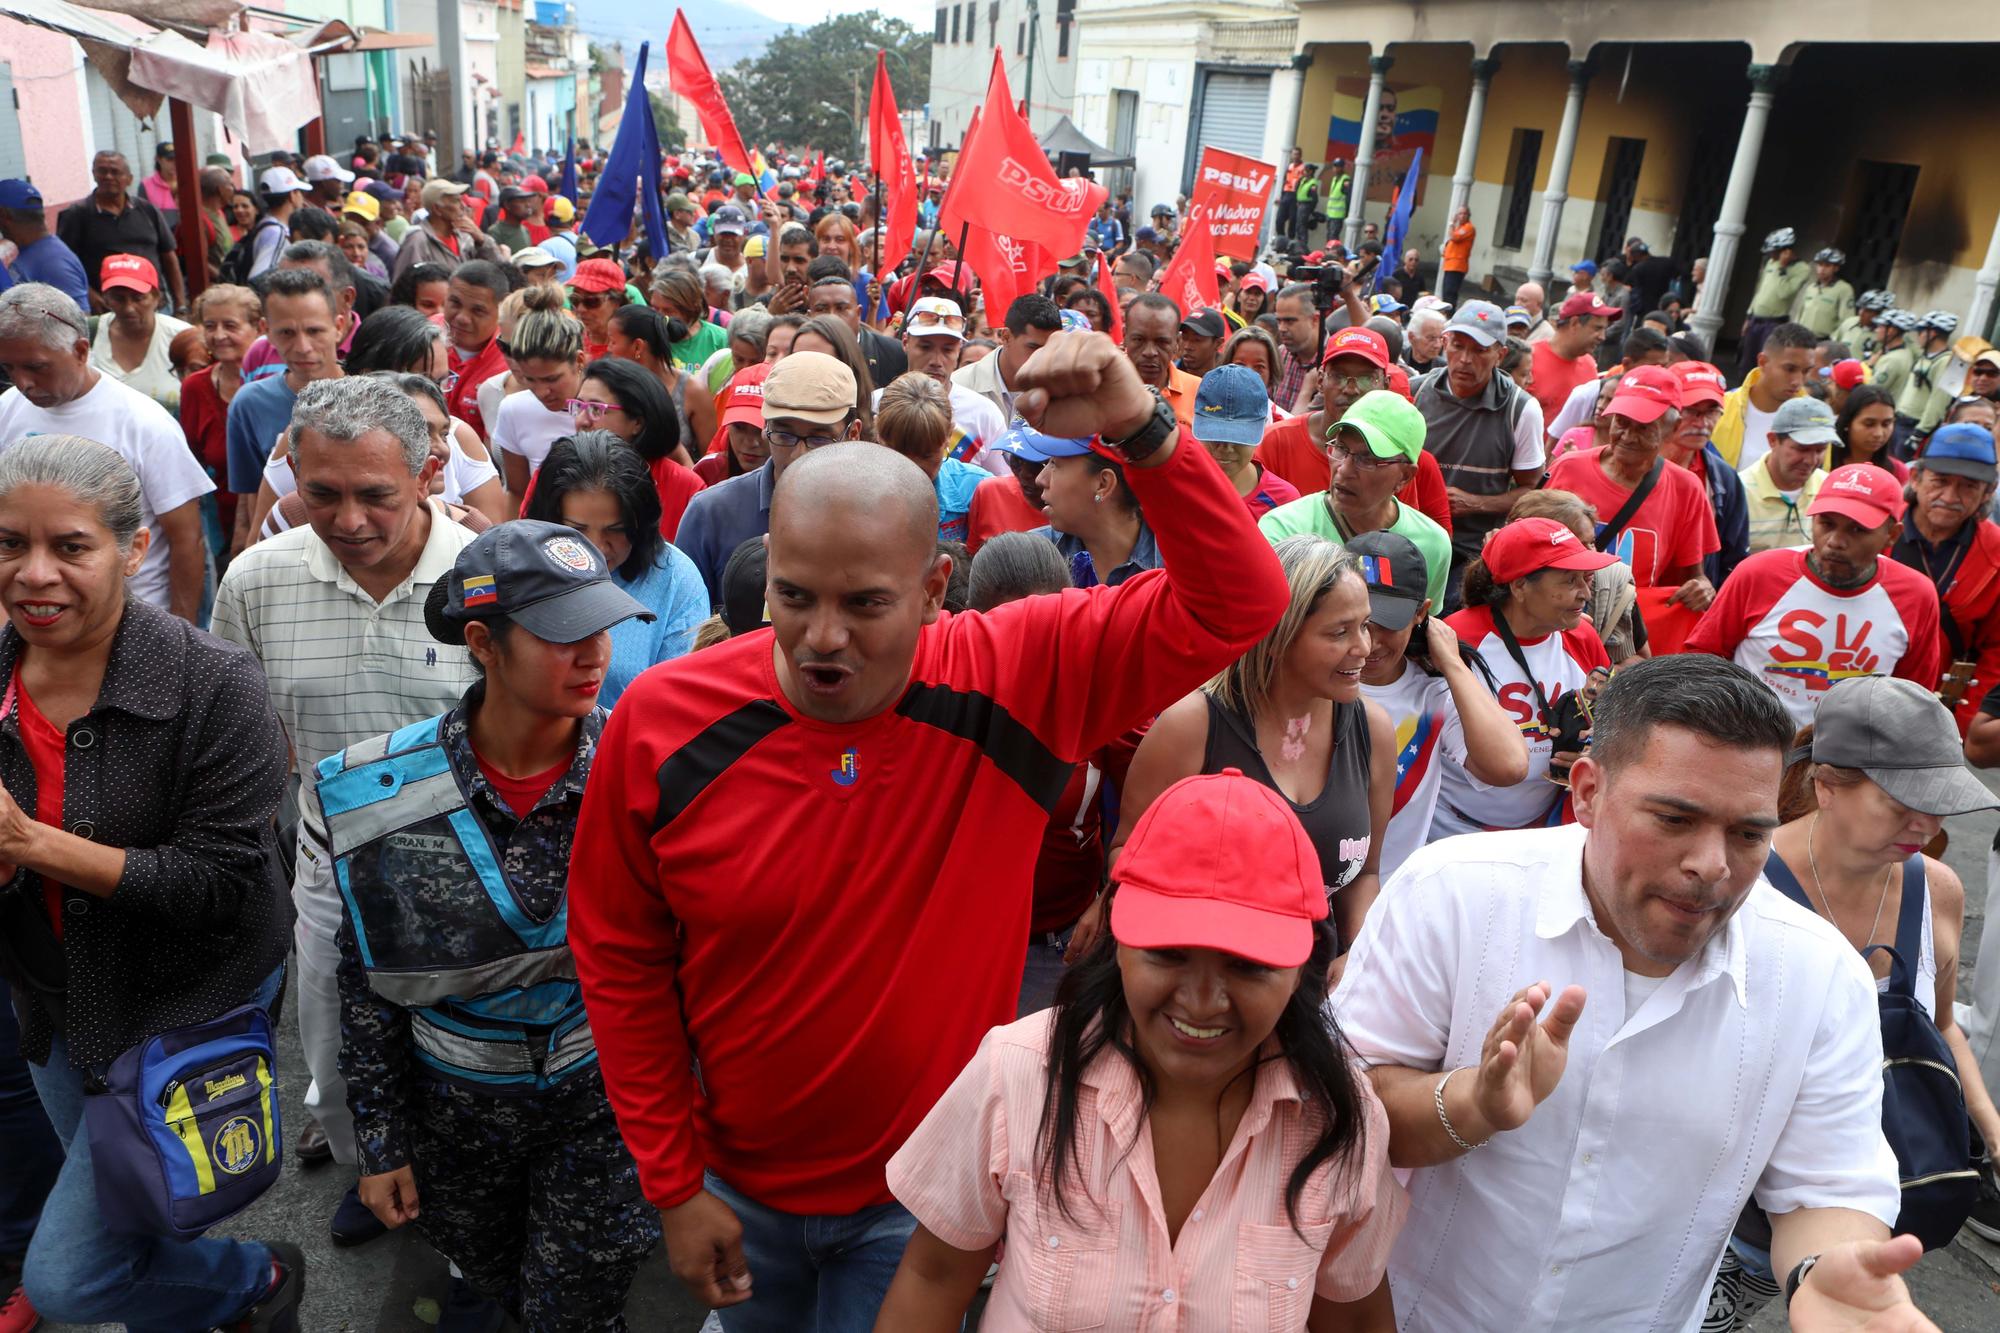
x=1290 y=714
x=545 y=355
x=913 y=417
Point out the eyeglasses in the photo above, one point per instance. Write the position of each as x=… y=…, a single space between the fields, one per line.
x=1367 y=462
x=784 y=439
x=589 y=409
x=1351 y=383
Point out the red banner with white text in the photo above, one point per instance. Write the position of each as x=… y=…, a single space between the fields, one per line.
x=1233 y=191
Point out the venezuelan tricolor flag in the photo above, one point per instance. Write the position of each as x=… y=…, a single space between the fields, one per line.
x=1416 y=109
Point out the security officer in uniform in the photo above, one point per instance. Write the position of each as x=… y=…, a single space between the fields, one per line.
x=1894 y=358
x=1777 y=288
x=1858 y=330
x=1922 y=403
x=1338 y=186
x=478 y=1106
x=1828 y=299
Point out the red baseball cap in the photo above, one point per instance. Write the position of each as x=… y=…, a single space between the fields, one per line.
x=1848 y=374
x=1646 y=394
x=1700 y=383
x=1220 y=861
x=1586 y=303
x=598 y=275
x=1528 y=544
x=1860 y=491
x=132 y=272
x=744 y=403
x=1364 y=343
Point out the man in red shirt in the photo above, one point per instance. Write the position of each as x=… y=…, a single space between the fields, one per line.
x=1357 y=362
x=1570 y=357
x=805 y=862
x=1672 y=530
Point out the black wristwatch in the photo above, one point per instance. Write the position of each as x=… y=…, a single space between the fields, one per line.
x=1798 y=1275
x=1155 y=431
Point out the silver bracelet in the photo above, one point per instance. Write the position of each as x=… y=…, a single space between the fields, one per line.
x=1437 y=1096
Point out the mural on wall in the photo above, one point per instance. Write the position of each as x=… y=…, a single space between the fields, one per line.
x=1406 y=124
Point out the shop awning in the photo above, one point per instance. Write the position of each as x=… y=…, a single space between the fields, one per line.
x=260 y=84
x=381 y=39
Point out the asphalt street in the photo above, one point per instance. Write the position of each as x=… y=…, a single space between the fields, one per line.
x=396 y=1284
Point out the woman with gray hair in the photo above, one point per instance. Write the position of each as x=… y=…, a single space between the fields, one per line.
x=140 y=766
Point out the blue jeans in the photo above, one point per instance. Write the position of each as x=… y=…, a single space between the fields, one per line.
x=822 y=1274
x=78 y=1272
x=31 y=1156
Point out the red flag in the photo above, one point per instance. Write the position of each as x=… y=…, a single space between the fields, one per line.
x=1190 y=275
x=1110 y=291
x=818 y=167
x=1007 y=268
x=687 y=70
x=889 y=158
x=520 y=145
x=1019 y=196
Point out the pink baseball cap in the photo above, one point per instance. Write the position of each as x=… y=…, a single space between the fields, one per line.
x=1526 y=545
x=1646 y=394
x=1586 y=303
x=1219 y=861
x=1863 y=492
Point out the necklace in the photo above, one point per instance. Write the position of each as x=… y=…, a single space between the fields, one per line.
x=1888 y=878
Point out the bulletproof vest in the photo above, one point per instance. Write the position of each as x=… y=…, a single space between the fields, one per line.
x=491 y=990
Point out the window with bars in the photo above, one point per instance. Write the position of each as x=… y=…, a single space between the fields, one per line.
x=938 y=36
x=1525 y=157
x=954 y=21
x=1065 y=16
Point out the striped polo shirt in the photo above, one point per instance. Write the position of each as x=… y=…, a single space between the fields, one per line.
x=341 y=666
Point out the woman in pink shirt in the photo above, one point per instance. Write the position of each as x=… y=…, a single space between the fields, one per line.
x=1182 y=1137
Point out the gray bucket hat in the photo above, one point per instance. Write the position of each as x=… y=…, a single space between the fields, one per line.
x=1898 y=734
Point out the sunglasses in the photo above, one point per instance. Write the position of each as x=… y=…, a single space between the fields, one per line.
x=926 y=319
x=589 y=300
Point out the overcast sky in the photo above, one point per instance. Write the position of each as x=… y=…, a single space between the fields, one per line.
x=917 y=13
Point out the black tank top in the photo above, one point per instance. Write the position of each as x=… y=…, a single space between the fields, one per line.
x=1338 y=821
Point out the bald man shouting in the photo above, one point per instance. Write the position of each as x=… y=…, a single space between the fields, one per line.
x=806 y=856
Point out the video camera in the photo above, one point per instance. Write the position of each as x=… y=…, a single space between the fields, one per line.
x=1329 y=283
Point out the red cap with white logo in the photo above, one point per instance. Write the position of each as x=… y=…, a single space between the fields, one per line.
x=1860 y=491
x=1645 y=394
x=132 y=272
x=1529 y=544
x=1367 y=344
x=1700 y=383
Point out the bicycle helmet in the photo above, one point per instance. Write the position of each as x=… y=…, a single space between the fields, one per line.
x=1899 y=319
x=1875 y=299
x=1781 y=239
x=1830 y=256
x=1942 y=320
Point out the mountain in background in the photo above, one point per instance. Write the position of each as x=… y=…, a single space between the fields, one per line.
x=727 y=32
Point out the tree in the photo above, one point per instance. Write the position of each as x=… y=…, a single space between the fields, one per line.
x=809 y=88
x=665 y=123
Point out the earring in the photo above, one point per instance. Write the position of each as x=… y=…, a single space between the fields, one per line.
x=1097 y=499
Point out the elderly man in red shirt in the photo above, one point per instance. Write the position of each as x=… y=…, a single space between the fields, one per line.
x=805 y=863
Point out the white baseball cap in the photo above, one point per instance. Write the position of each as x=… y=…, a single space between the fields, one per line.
x=279 y=180
x=533 y=256
x=324 y=168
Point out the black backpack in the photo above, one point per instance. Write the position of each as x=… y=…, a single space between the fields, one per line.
x=236 y=264
x=1923 y=1107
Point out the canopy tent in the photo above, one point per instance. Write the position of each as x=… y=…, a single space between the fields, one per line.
x=1063 y=137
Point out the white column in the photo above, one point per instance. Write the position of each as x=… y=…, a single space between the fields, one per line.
x=1707 y=321
x=1364 y=153
x=1468 y=144
x=1281 y=129
x=1553 y=198
x=1984 y=285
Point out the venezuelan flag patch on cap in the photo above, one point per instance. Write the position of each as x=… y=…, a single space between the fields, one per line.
x=480 y=590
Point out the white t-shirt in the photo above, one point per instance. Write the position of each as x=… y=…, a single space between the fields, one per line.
x=144 y=434
x=526 y=429
x=1561 y=663
x=1428 y=734
x=1756 y=434
x=154 y=376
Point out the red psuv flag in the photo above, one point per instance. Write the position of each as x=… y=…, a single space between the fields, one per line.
x=687 y=69
x=1110 y=291
x=1190 y=275
x=1007 y=268
x=1018 y=194
x=889 y=158
x=1231 y=190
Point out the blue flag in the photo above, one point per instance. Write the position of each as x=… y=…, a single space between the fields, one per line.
x=567 y=189
x=1399 y=220
x=631 y=174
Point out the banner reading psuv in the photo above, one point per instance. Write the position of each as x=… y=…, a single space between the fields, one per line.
x=1232 y=191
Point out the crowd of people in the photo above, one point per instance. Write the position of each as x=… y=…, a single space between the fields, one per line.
x=1262 y=816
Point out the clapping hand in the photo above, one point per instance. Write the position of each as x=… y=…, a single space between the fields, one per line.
x=1521 y=1061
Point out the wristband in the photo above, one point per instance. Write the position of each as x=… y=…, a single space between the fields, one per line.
x=1437 y=1096
x=1797 y=1276
x=1153 y=432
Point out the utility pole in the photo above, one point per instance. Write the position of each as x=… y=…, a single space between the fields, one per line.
x=1028 y=82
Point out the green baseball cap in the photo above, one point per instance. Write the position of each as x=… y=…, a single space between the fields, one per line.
x=745 y=178
x=678 y=202
x=1388 y=421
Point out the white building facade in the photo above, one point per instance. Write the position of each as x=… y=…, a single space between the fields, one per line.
x=1038 y=40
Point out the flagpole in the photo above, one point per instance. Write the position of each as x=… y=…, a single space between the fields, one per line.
x=958 y=270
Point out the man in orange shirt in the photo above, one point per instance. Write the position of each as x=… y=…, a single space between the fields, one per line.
x=1456 y=259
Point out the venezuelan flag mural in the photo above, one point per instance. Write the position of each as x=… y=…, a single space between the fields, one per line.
x=1406 y=123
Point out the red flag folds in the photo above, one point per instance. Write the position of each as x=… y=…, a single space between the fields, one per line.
x=1110 y=291
x=688 y=70
x=1018 y=195
x=1190 y=275
x=1007 y=268
x=889 y=157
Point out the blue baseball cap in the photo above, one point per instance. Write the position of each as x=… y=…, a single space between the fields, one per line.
x=1961 y=449
x=17 y=193
x=1231 y=407
x=1024 y=441
x=1587 y=267
x=1385 y=304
